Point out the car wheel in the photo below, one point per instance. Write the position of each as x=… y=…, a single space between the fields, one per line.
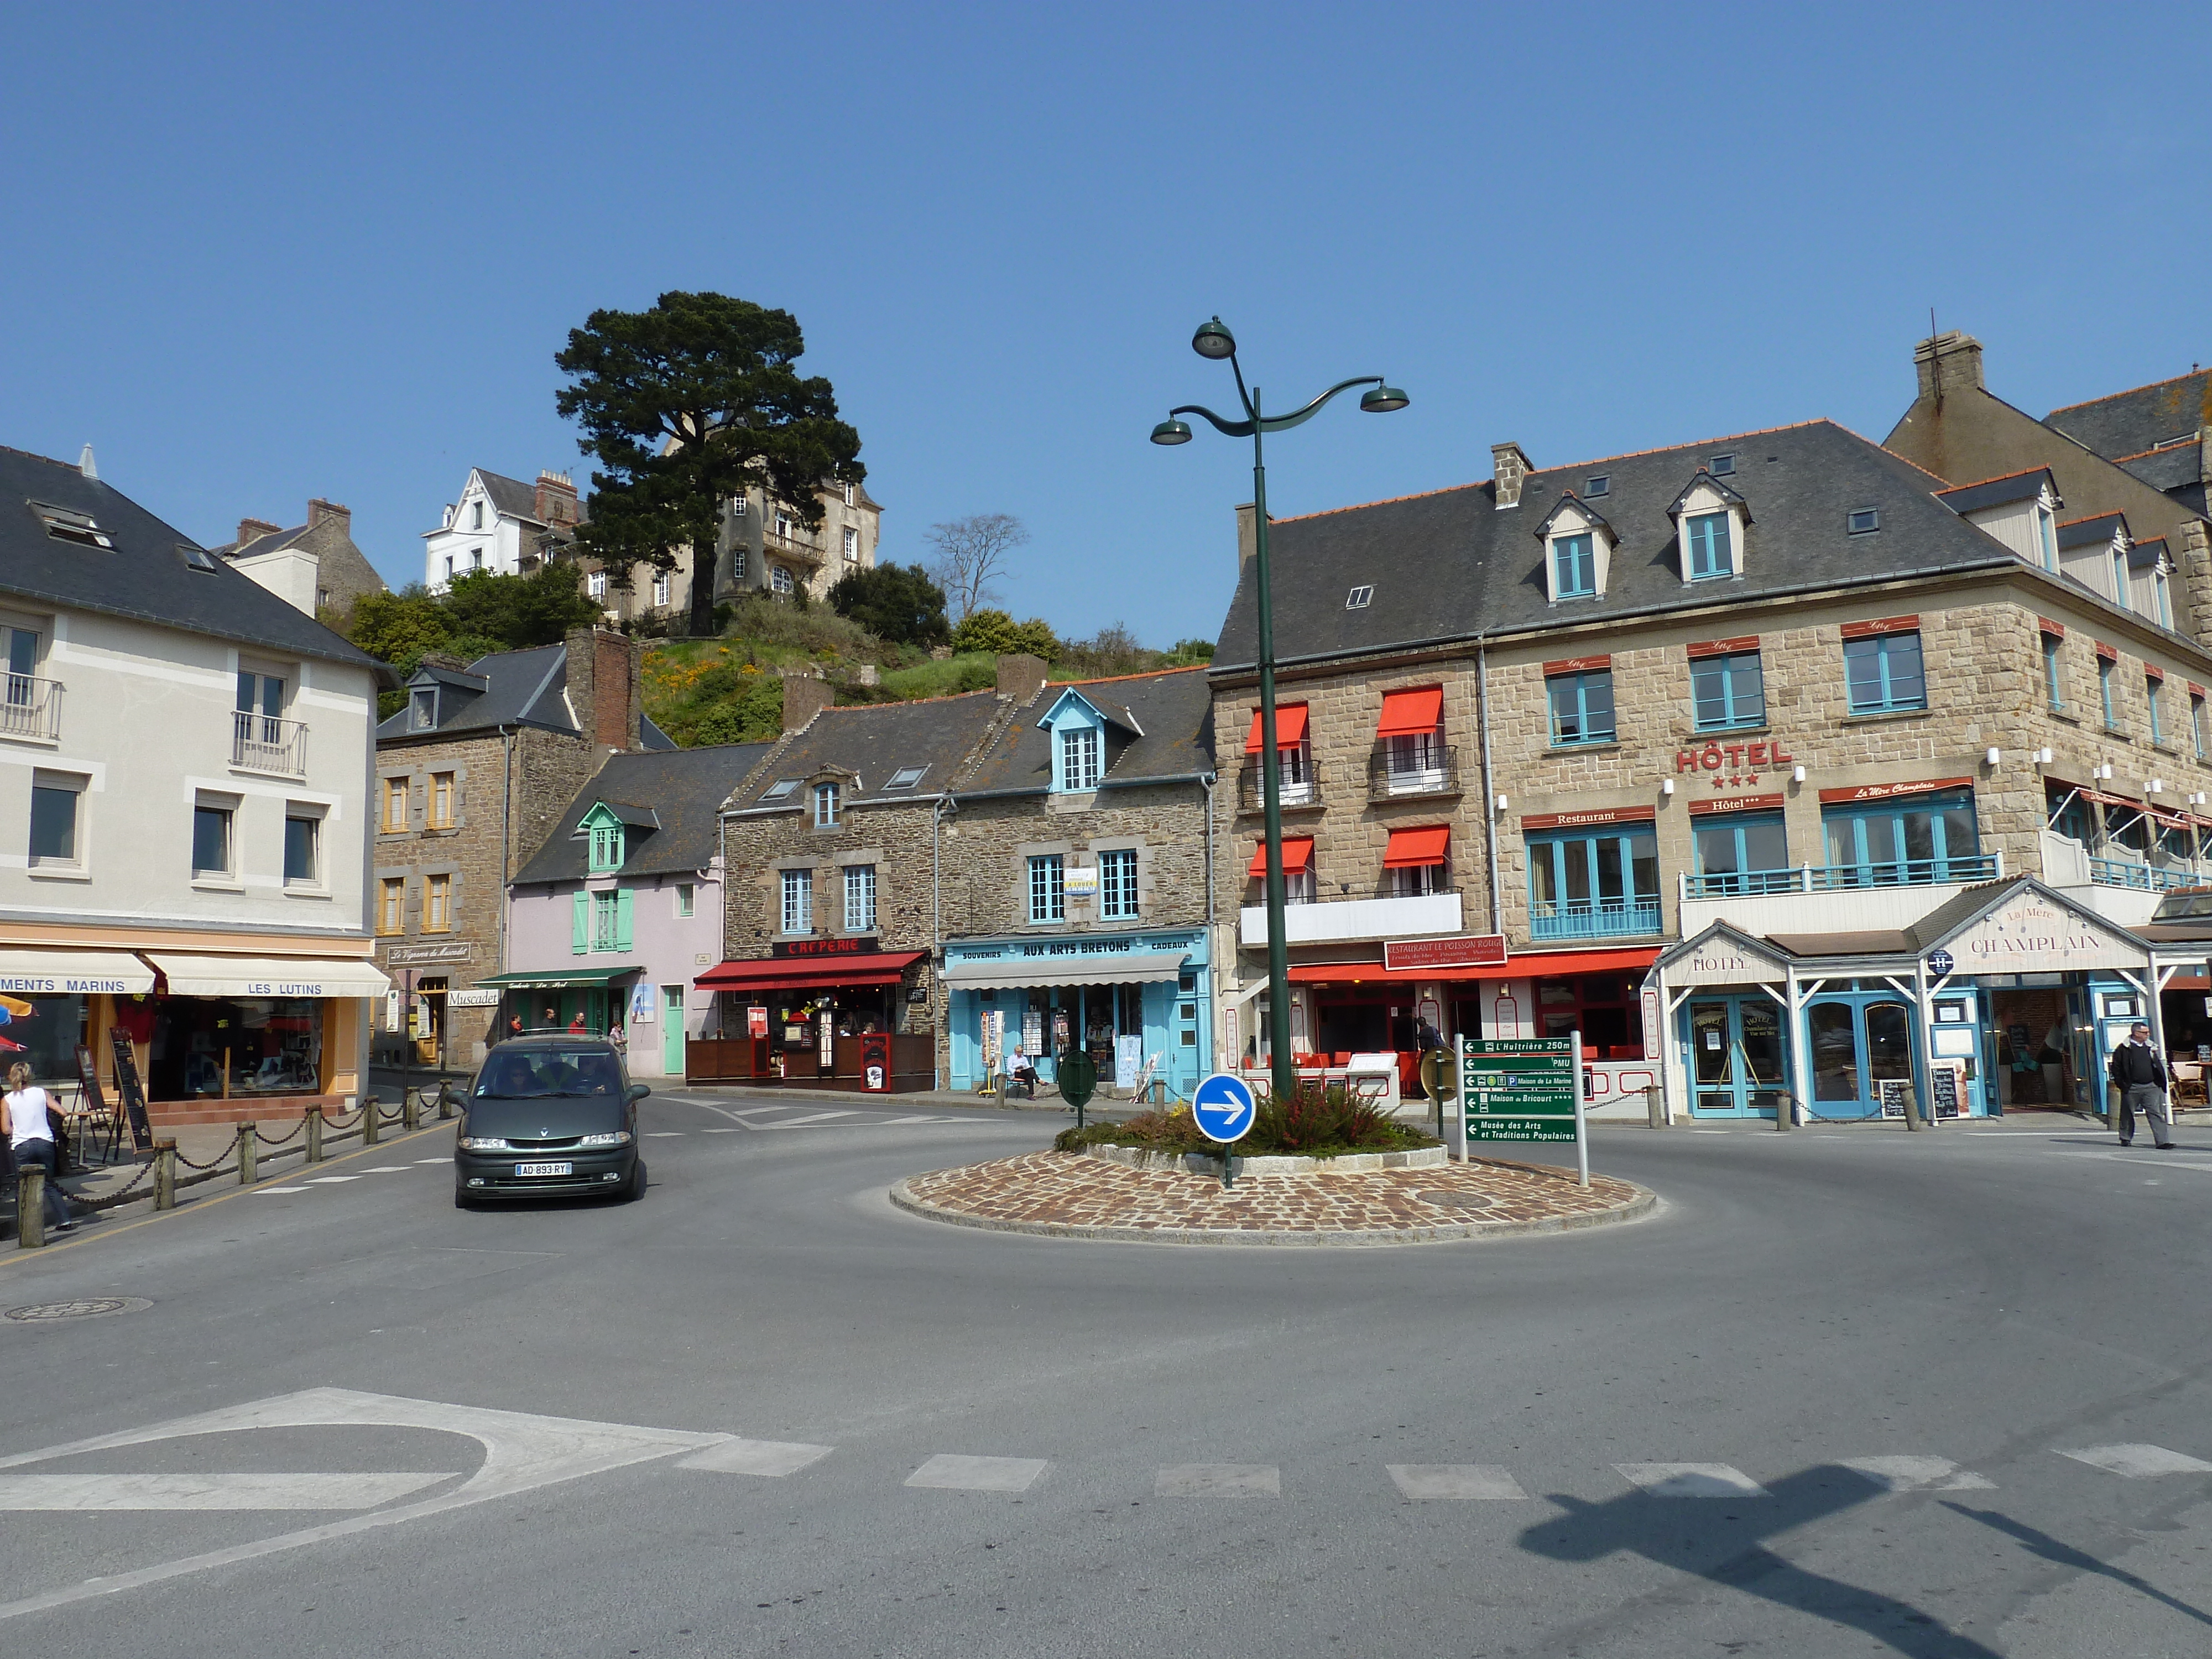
x=461 y=1199
x=635 y=1190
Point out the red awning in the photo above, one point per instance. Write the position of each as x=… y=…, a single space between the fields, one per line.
x=1410 y=849
x=1408 y=713
x=804 y=973
x=1298 y=853
x=1290 y=728
x=1554 y=964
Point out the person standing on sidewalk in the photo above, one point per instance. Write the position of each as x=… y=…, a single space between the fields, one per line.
x=2140 y=1075
x=23 y=1120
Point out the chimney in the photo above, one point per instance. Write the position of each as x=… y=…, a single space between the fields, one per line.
x=1021 y=677
x=84 y=464
x=804 y=697
x=554 y=500
x=603 y=675
x=1509 y=465
x=319 y=509
x=254 y=529
x=1947 y=362
x=1247 y=536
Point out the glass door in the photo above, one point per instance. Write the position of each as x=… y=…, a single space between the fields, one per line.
x=1738 y=1061
x=1858 y=1043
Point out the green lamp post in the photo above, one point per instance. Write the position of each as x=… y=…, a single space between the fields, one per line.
x=1214 y=341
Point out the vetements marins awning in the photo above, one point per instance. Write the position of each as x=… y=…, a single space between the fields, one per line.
x=270 y=976
x=1409 y=713
x=1552 y=964
x=554 y=979
x=36 y=973
x=804 y=973
x=1017 y=973
x=1298 y=853
x=1410 y=849
x=1290 y=728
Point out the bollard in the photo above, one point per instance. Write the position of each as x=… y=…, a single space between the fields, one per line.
x=315 y=1121
x=1655 y=1107
x=249 y=1147
x=1912 y=1119
x=1784 y=1114
x=164 y=1175
x=410 y=1110
x=368 y=1124
x=31 y=1209
x=445 y=1101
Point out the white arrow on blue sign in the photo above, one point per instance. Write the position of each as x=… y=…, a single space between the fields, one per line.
x=1223 y=1107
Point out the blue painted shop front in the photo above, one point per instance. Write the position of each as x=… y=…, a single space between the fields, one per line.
x=1099 y=990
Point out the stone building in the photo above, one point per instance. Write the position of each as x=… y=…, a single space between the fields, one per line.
x=501 y=525
x=472 y=775
x=1784 y=688
x=763 y=549
x=2161 y=433
x=314 y=567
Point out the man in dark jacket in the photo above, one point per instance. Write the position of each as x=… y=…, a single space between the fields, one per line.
x=2140 y=1076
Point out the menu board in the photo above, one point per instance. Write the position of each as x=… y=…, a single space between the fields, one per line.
x=129 y=1091
x=1896 y=1093
x=1943 y=1083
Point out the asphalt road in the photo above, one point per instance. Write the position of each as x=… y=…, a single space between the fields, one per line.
x=762 y=1412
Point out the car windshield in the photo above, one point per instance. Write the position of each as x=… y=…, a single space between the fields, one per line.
x=545 y=1071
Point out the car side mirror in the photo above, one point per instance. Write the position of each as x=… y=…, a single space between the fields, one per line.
x=639 y=1092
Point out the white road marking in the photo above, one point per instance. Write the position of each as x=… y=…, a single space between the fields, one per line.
x=664 y=1134
x=1917 y=1474
x=420 y=1161
x=888 y=1121
x=280 y=1189
x=1692 y=1479
x=948 y=1471
x=330 y=1180
x=2133 y=1460
x=769 y=1457
x=391 y=1168
x=730 y=1129
x=1457 y=1480
x=360 y=1489
x=1201 y=1480
x=818 y=1117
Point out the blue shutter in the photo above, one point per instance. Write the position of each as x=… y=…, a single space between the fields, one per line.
x=623 y=911
x=580 y=935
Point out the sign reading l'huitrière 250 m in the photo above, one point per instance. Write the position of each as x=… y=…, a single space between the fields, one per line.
x=1518 y=1090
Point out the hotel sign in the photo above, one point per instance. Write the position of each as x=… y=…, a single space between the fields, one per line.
x=1888 y=791
x=2028 y=934
x=1471 y=951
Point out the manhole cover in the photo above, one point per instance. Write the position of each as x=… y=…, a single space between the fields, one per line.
x=89 y=1307
x=1475 y=1201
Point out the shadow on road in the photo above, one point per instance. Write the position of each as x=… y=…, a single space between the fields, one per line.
x=2065 y=1555
x=1721 y=1541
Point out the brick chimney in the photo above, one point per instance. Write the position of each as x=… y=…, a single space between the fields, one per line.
x=603 y=685
x=1947 y=362
x=1021 y=677
x=554 y=500
x=1509 y=467
x=254 y=529
x=804 y=697
x=1248 y=534
x=318 y=510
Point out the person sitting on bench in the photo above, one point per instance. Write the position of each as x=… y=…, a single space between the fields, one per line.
x=1021 y=1073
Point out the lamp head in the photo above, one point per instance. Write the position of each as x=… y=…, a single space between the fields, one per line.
x=1384 y=400
x=1171 y=432
x=1214 y=341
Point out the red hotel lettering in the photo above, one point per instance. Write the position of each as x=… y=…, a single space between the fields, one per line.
x=1714 y=758
x=1686 y=760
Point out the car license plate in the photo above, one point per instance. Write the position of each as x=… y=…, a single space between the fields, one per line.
x=545 y=1168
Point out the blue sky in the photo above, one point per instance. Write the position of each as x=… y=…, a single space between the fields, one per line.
x=256 y=254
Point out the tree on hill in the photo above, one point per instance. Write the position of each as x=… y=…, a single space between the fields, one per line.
x=995 y=631
x=971 y=555
x=482 y=612
x=895 y=601
x=685 y=407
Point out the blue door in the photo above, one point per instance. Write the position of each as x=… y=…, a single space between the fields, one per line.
x=1739 y=1064
x=1859 y=1041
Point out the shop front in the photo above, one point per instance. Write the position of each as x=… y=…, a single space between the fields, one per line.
x=590 y=1000
x=833 y=1013
x=1137 y=1003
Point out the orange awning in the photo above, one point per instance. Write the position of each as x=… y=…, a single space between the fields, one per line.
x=1290 y=728
x=1298 y=853
x=1410 y=849
x=1543 y=965
x=1408 y=714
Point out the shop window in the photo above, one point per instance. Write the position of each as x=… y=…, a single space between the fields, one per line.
x=1048 y=888
x=1883 y=672
x=303 y=848
x=1117 y=885
x=1581 y=706
x=1908 y=842
x=211 y=839
x=56 y=800
x=860 y=898
x=1729 y=690
x=2052 y=645
x=392 y=906
x=1603 y=1007
x=442 y=799
x=799 y=901
x=1741 y=852
x=211 y=1047
x=1594 y=883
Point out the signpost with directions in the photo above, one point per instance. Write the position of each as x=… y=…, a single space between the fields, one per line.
x=1524 y=1088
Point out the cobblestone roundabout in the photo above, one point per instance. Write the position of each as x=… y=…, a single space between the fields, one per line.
x=1068 y=1196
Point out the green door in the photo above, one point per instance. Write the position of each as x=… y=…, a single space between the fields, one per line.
x=671 y=1030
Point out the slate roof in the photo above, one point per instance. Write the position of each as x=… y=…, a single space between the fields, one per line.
x=2084 y=532
x=1447 y=565
x=2168 y=470
x=143 y=575
x=875 y=740
x=1998 y=492
x=681 y=792
x=518 y=687
x=1172 y=708
x=510 y=495
x=2132 y=422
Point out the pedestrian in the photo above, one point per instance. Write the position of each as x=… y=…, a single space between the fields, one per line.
x=2140 y=1074
x=576 y=1025
x=615 y=1037
x=31 y=1138
x=514 y=1026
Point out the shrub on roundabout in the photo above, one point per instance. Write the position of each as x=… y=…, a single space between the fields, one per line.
x=1322 y=1119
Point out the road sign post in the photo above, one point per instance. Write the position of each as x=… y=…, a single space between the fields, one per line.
x=1524 y=1088
x=1079 y=1079
x=1225 y=1111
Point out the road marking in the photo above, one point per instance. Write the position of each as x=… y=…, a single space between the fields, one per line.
x=1458 y=1480
x=360 y=1489
x=391 y=1168
x=1692 y=1479
x=1917 y=1474
x=664 y=1134
x=419 y=1162
x=2133 y=1460
x=1201 y=1480
x=888 y=1121
x=794 y=1122
x=733 y=1129
x=330 y=1180
x=951 y=1472
x=279 y=1189
x=775 y=1458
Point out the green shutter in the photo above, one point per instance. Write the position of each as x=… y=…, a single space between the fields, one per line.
x=623 y=898
x=580 y=936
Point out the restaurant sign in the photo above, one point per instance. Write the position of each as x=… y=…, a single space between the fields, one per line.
x=1469 y=950
x=2029 y=933
x=409 y=955
x=823 y=947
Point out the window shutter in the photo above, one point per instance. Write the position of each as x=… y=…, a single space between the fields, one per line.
x=579 y=937
x=622 y=910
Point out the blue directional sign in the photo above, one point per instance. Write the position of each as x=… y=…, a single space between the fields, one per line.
x=1223 y=1107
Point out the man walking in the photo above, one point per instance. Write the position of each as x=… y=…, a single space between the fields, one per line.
x=2140 y=1075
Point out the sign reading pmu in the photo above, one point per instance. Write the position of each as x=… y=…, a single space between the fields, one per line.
x=1519 y=1089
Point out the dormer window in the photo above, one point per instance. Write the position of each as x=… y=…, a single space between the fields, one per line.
x=1601 y=483
x=1722 y=466
x=1712 y=550
x=782 y=789
x=825 y=805
x=606 y=847
x=1079 y=759
x=905 y=778
x=66 y=524
x=423 y=711
x=2046 y=530
x=1574 y=568
x=1577 y=549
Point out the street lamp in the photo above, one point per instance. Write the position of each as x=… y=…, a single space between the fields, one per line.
x=1214 y=341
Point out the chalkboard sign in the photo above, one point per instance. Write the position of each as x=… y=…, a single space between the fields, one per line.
x=128 y=1090
x=1895 y=1092
x=1943 y=1082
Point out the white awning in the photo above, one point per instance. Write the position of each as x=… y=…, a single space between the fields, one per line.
x=1014 y=973
x=271 y=976
x=64 y=972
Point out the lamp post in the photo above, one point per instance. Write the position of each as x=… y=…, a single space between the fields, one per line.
x=1214 y=341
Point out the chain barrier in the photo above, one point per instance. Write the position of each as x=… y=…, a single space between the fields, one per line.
x=268 y=1141
x=342 y=1124
x=109 y=1200
x=216 y=1159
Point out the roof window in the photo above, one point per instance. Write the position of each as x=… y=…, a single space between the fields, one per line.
x=782 y=789
x=1721 y=465
x=906 y=777
x=1359 y=598
x=65 y=525
x=1865 y=520
x=1600 y=483
x=199 y=559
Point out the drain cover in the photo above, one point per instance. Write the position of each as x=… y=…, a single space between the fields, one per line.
x=89 y=1307
x=1476 y=1201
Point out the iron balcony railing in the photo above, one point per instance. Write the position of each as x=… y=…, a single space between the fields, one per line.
x=1594 y=919
x=32 y=707
x=1831 y=877
x=265 y=743
x=1306 y=792
x=1394 y=776
x=2142 y=878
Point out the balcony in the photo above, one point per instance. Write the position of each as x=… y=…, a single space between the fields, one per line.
x=1335 y=921
x=1403 y=777
x=1579 y=918
x=792 y=546
x=264 y=742
x=2142 y=878
x=1305 y=793
x=1835 y=878
x=33 y=709
x=1841 y=898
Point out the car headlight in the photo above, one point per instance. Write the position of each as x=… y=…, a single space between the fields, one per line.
x=483 y=1144
x=619 y=1138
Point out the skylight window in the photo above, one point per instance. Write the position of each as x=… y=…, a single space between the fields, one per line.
x=65 y=525
x=1601 y=483
x=1359 y=598
x=1865 y=519
x=199 y=558
x=782 y=789
x=1721 y=466
x=906 y=777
